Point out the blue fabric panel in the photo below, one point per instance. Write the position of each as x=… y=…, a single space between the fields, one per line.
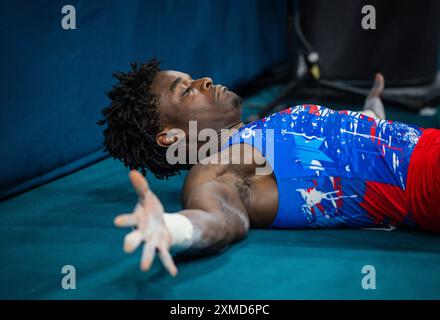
x=53 y=81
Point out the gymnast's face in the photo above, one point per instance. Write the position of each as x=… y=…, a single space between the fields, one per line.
x=183 y=99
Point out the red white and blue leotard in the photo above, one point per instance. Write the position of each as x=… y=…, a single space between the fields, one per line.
x=336 y=168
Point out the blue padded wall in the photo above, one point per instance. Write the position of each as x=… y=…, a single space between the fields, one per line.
x=53 y=81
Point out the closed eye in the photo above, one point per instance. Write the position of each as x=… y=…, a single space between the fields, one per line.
x=188 y=90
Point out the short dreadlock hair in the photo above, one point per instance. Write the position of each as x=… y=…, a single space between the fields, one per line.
x=133 y=121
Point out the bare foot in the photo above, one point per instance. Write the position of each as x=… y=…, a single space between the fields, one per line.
x=373 y=102
x=378 y=86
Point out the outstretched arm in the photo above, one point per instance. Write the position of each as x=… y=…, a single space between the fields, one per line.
x=214 y=218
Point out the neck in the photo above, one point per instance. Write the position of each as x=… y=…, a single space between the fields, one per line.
x=225 y=134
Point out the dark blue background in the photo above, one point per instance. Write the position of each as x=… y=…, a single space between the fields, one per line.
x=53 y=81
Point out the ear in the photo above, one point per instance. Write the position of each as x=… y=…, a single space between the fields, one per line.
x=167 y=137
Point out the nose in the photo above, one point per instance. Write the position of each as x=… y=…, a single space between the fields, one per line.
x=203 y=83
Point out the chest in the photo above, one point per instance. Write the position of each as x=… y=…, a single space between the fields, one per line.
x=260 y=197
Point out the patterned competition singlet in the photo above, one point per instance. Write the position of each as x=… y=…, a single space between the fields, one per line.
x=335 y=168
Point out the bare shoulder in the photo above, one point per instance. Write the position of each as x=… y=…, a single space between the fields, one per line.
x=199 y=175
x=235 y=183
x=219 y=169
x=236 y=157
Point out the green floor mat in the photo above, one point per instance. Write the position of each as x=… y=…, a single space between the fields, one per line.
x=69 y=222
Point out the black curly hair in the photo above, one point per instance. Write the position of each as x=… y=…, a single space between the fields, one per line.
x=133 y=121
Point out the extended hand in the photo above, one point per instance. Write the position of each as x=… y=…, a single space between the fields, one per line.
x=148 y=219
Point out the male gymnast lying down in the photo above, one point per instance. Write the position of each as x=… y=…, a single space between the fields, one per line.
x=304 y=167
